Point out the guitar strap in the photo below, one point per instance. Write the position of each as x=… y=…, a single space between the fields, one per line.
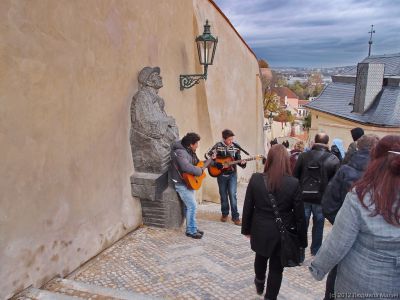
x=240 y=148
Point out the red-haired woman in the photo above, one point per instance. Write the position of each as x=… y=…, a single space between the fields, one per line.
x=258 y=221
x=365 y=240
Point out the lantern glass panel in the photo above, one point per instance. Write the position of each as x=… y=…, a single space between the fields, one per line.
x=200 y=51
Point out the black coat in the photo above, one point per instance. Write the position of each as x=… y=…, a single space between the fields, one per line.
x=258 y=218
x=340 y=184
x=331 y=164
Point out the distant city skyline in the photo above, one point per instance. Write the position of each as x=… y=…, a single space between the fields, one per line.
x=314 y=33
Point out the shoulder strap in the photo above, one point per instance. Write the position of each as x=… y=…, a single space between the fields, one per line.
x=271 y=198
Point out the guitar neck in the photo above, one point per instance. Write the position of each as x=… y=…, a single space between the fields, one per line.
x=238 y=161
x=207 y=162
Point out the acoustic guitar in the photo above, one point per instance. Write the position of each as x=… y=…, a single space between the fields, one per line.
x=228 y=162
x=194 y=182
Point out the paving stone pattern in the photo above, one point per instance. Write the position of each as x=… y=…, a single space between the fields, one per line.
x=166 y=264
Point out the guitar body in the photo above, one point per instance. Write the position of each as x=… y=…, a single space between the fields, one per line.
x=227 y=163
x=194 y=182
x=214 y=171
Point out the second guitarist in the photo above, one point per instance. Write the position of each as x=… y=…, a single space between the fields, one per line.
x=227 y=180
x=184 y=160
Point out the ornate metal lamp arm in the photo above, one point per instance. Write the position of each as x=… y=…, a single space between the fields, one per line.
x=187 y=81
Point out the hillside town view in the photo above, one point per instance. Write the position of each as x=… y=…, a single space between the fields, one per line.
x=203 y=149
x=288 y=89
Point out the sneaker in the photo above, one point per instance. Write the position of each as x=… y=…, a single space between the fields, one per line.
x=237 y=222
x=224 y=218
x=196 y=235
x=200 y=231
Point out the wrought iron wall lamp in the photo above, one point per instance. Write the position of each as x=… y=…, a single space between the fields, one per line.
x=206 y=45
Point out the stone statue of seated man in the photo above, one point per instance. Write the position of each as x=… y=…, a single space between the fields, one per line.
x=152 y=130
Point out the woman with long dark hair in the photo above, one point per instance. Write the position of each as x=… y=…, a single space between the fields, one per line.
x=365 y=239
x=258 y=221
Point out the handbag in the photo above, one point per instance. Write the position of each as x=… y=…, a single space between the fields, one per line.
x=290 y=253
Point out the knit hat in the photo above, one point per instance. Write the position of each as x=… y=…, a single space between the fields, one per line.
x=356 y=133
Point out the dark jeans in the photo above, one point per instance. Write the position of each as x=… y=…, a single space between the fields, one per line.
x=275 y=271
x=330 y=284
x=318 y=224
x=227 y=185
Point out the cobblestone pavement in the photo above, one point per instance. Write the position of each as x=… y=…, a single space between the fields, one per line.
x=167 y=264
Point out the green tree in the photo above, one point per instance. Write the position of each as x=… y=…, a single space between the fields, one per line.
x=307 y=122
x=314 y=85
x=271 y=103
x=317 y=91
x=270 y=100
x=284 y=116
x=298 y=88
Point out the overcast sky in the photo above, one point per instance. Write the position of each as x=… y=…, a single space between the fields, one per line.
x=315 y=33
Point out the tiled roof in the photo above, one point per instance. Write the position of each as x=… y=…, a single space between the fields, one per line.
x=335 y=99
x=391 y=61
x=284 y=91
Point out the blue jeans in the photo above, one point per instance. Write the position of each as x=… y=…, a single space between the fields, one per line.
x=318 y=224
x=189 y=200
x=227 y=188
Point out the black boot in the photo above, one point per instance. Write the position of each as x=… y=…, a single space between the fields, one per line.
x=259 y=283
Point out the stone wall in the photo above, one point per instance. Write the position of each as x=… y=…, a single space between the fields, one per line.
x=68 y=73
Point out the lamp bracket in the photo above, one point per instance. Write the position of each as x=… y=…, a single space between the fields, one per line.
x=187 y=81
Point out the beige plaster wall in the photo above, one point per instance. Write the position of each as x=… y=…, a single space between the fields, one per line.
x=340 y=128
x=232 y=96
x=68 y=71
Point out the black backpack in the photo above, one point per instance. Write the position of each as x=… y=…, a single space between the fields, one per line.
x=314 y=180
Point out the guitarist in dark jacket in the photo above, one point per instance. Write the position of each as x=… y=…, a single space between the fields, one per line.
x=227 y=180
x=184 y=160
x=314 y=169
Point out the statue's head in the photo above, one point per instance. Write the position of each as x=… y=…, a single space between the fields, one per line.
x=150 y=76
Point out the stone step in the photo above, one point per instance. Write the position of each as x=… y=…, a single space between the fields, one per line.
x=154 y=211
x=154 y=222
x=36 y=294
x=89 y=291
x=153 y=204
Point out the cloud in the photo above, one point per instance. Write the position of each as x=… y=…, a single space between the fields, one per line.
x=314 y=32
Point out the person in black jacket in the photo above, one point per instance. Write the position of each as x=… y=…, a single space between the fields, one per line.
x=356 y=133
x=338 y=188
x=258 y=220
x=340 y=184
x=314 y=169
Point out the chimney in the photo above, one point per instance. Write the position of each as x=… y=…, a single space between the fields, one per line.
x=369 y=82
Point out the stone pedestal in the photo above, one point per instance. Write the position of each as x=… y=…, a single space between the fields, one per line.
x=161 y=206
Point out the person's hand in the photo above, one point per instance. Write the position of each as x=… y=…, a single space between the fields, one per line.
x=243 y=162
x=219 y=166
x=214 y=155
x=248 y=236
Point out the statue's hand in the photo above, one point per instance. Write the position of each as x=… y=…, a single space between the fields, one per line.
x=171 y=122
